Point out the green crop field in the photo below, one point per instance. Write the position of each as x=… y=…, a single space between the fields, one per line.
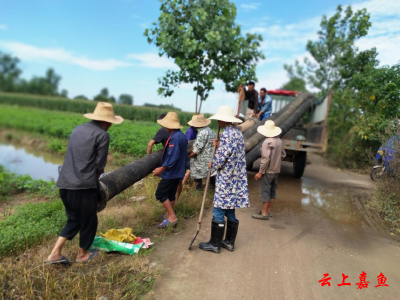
x=136 y=113
x=130 y=137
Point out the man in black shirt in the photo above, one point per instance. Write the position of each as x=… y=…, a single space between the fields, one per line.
x=252 y=96
x=161 y=136
x=78 y=181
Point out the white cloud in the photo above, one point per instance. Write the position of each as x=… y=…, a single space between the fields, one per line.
x=3 y=27
x=249 y=7
x=291 y=38
x=152 y=60
x=31 y=53
x=384 y=33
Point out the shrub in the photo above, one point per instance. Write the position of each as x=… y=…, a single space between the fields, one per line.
x=386 y=200
x=30 y=224
x=23 y=183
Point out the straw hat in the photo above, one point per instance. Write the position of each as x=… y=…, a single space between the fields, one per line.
x=170 y=121
x=199 y=121
x=225 y=113
x=269 y=129
x=104 y=112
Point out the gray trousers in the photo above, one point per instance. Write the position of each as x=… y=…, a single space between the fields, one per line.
x=268 y=186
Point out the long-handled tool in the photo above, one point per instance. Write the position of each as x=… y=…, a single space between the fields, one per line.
x=204 y=196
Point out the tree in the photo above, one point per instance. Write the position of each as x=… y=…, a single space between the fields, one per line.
x=296 y=82
x=9 y=72
x=206 y=45
x=64 y=93
x=104 y=96
x=52 y=80
x=81 y=97
x=377 y=94
x=125 y=99
x=335 y=60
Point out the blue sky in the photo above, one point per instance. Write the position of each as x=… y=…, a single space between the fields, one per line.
x=96 y=44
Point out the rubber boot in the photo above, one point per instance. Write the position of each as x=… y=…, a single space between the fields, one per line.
x=212 y=183
x=199 y=184
x=231 y=232
x=217 y=234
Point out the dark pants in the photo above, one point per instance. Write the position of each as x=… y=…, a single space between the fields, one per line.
x=268 y=186
x=80 y=206
x=220 y=213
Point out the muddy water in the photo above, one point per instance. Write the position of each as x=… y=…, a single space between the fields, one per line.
x=312 y=197
x=28 y=161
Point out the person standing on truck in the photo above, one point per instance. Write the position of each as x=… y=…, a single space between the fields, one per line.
x=161 y=136
x=272 y=153
x=264 y=105
x=231 y=189
x=172 y=169
x=251 y=95
x=78 y=182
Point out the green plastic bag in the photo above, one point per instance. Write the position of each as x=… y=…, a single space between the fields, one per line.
x=106 y=245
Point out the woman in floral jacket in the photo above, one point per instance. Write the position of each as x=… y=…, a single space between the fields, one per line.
x=202 y=151
x=231 y=190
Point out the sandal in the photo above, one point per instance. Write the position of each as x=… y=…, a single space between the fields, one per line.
x=91 y=256
x=260 y=217
x=166 y=223
x=269 y=214
x=62 y=261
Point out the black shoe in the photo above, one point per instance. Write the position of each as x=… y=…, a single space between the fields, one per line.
x=231 y=232
x=199 y=184
x=217 y=234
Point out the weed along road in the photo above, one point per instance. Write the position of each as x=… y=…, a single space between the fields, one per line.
x=318 y=227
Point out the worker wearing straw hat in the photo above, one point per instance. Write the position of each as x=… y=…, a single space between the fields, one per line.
x=202 y=151
x=84 y=162
x=272 y=153
x=172 y=169
x=231 y=190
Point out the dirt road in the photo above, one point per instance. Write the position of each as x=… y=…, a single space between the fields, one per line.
x=318 y=227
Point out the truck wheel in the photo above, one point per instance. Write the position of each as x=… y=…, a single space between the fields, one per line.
x=299 y=164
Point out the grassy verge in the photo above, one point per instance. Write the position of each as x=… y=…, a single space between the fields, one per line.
x=386 y=200
x=112 y=275
x=129 y=112
x=128 y=138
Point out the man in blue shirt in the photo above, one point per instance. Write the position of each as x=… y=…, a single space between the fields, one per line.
x=172 y=169
x=264 y=105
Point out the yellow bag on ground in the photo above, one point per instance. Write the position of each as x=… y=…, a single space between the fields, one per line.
x=121 y=235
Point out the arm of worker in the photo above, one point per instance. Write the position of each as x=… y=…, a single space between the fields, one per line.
x=223 y=152
x=255 y=103
x=173 y=154
x=259 y=105
x=199 y=143
x=150 y=146
x=101 y=154
x=266 y=150
x=283 y=153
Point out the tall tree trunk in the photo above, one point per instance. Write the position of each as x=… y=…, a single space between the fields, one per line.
x=197 y=96
x=201 y=102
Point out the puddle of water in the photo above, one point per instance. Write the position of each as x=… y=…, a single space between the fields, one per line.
x=338 y=207
x=26 y=161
